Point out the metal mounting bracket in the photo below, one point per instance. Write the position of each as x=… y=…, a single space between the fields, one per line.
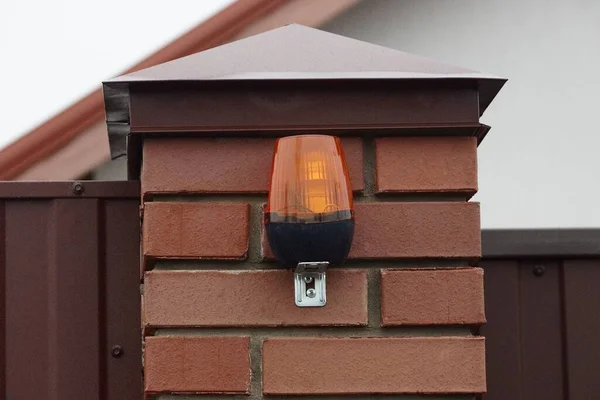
x=309 y=284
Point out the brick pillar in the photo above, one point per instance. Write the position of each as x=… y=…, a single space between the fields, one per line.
x=219 y=313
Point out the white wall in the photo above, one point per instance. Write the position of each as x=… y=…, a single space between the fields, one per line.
x=114 y=170
x=540 y=164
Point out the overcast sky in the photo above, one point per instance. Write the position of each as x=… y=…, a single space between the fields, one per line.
x=53 y=52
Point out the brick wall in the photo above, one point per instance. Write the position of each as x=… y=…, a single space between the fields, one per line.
x=219 y=314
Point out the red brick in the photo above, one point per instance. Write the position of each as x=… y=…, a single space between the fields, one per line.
x=417 y=230
x=427 y=164
x=197 y=364
x=249 y=298
x=315 y=366
x=195 y=230
x=222 y=165
x=413 y=230
x=449 y=296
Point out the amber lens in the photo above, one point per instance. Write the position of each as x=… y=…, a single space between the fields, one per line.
x=310 y=180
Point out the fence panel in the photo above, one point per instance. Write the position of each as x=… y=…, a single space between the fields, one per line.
x=501 y=331
x=542 y=305
x=582 y=313
x=69 y=291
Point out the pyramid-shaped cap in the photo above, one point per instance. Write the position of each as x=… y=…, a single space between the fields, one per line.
x=290 y=53
x=295 y=52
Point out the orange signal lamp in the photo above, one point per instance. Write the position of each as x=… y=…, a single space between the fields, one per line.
x=309 y=219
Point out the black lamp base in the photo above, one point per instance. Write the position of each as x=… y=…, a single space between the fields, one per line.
x=293 y=243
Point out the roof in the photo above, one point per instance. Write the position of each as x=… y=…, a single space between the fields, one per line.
x=55 y=149
x=292 y=52
x=299 y=52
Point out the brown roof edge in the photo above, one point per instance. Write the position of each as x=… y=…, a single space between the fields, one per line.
x=61 y=129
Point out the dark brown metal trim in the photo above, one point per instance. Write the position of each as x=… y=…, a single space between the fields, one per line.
x=265 y=106
x=545 y=243
x=481 y=132
x=392 y=129
x=82 y=189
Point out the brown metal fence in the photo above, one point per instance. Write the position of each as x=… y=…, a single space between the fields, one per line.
x=69 y=291
x=543 y=312
x=70 y=301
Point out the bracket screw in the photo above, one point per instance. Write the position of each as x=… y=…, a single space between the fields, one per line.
x=78 y=188
x=539 y=270
x=116 y=351
x=308 y=279
x=311 y=293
